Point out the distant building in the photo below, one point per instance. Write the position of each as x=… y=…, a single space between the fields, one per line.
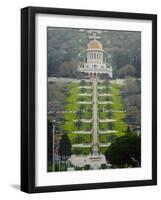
x=94 y=61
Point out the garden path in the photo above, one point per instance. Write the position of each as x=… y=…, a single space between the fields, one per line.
x=95 y=143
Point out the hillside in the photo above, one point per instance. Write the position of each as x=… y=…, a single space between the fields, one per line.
x=66 y=50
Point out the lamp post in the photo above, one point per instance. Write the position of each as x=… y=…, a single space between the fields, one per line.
x=53 y=134
x=138 y=130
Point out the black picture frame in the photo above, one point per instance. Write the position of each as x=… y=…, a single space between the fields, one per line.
x=28 y=98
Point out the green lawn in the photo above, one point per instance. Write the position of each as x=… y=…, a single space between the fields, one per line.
x=105 y=115
x=105 y=138
x=107 y=125
x=83 y=126
x=86 y=107
x=87 y=115
x=80 y=138
x=109 y=137
x=72 y=98
x=80 y=151
x=105 y=90
x=119 y=115
x=103 y=107
x=116 y=97
x=103 y=149
x=85 y=98
x=120 y=126
x=104 y=98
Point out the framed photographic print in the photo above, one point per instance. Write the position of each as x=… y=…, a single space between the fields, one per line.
x=88 y=99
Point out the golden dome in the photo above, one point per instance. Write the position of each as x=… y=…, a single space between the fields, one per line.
x=94 y=44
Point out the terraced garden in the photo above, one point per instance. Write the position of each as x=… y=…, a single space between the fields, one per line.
x=79 y=118
x=111 y=114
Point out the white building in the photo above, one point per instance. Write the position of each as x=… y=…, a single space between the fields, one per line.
x=94 y=62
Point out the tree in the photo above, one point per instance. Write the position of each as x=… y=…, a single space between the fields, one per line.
x=127 y=70
x=105 y=76
x=132 y=101
x=133 y=116
x=131 y=87
x=110 y=125
x=79 y=113
x=107 y=89
x=121 y=58
x=111 y=137
x=82 y=83
x=108 y=106
x=78 y=124
x=109 y=114
x=125 y=151
x=64 y=146
x=128 y=130
x=107 y=83
x=107 y=98
x=68 y=69
x=78 y=139
x=81 y=98
x=50 y=144
x=77 y=151
x=82 y=90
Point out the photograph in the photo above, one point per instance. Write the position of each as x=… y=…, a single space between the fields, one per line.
x=89 y=99
x=93 y=99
